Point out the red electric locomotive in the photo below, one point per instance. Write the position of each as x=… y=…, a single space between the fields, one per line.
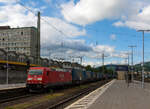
x=44 y=77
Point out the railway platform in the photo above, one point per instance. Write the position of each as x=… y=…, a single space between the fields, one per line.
x=116 y=95
x=12 y=86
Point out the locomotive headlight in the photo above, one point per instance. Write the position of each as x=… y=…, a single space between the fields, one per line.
x=39 y=79
x=29 y=78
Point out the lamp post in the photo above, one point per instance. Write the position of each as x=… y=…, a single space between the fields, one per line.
x=142 y=82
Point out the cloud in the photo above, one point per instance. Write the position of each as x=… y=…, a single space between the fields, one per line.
x=79 y=48
x=107 y=62
x=119 y=55
x=139 y=19
x=89 y=11
x=113 y=37
x=54 y=43
x=33 y=4
x=96 y=51
x=118 y=24
x=110 y=58
x=103 y=48
x=93 y=64
x=17 y=16
x=8 y=1
x=133 y=14
x=67 y=48
x=14 y=16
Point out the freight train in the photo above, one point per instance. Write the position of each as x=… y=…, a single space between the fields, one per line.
x=45 y=77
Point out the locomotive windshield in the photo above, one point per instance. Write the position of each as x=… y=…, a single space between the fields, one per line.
x=35 y=72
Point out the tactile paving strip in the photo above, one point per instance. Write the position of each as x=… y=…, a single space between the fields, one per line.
x=89 y=99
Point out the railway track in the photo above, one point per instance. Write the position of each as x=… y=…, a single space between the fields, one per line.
x=14 y=98
x=12 y=94
x=69 y=100
x=8 y=96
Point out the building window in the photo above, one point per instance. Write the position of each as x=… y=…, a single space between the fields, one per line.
x=21 y=33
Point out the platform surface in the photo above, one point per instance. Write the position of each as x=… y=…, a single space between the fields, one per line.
x=12 y=86
x=116 y=95
x=119 y=96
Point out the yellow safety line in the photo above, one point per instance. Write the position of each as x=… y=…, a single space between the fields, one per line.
x=16 y=63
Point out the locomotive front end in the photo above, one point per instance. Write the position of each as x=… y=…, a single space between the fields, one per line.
x=35 y=79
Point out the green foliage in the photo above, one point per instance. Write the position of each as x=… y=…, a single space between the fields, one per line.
x=88 y=68
x=99 y=69
x=138 y=67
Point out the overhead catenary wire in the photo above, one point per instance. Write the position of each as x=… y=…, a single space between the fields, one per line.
x=60 y=31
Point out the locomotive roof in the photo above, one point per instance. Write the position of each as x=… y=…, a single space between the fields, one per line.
x=39 y=68
x=53 y=69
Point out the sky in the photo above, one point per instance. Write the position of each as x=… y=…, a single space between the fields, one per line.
x=84 y=28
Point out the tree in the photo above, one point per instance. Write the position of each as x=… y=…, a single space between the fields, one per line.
x=88 y=68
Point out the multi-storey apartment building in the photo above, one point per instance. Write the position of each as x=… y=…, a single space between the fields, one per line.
x=22 y=40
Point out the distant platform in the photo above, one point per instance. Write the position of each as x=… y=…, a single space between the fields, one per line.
x=116 y=95
x=12 y=86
